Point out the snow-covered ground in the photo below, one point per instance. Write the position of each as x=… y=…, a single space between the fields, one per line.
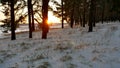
x=64 y=48
x=25 y=28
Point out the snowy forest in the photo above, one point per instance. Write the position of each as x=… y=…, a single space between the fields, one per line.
x=87 y=37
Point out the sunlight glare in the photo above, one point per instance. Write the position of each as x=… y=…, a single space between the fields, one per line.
x=52 y=19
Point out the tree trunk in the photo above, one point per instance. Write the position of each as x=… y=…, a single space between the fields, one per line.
x=84 y=17
x=29 y=18
x=91 y=17
x=45 y=26
x=103 y=9
x=72 y=20
x=13 y=36
x=62 y=14
x=32 y=16
x=72 y=15
x=84 y=7
x=94 y=13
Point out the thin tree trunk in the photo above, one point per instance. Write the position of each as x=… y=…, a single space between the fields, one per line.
x=94 y=13
x=84 y=17
x=13 y=36
x=29 y=18
x=62 y=14
x=45 y=26
x=32 y=15
x=72 y=20
x=84 y=7
x=80 y=20
x=80 y=17
x=72 y=16
x=91 y=17
x=103 y=8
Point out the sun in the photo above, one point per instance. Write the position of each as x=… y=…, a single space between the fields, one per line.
x=52 y=19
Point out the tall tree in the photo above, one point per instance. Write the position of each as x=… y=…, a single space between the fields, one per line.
x=45 y=26
x=29 y=18
x=72 y=15
x=13 y=36
x=32 y=16
x=103 y=10
x=84 y=13
x=91 y=16
x=94 y=13
x=62 y=14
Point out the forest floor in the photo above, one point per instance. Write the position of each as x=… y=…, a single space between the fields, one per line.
x=64 y=48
